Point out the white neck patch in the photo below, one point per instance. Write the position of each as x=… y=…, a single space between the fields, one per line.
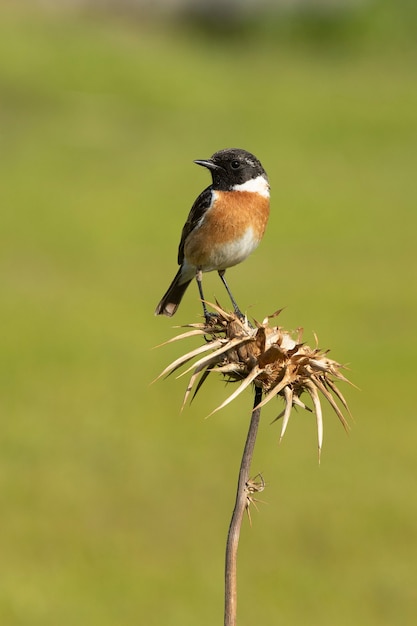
x=257 y=185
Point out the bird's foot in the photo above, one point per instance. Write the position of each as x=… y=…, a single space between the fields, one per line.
x=241 y=316
x=210 y=317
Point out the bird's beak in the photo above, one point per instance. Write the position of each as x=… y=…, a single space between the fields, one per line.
x=211 y=165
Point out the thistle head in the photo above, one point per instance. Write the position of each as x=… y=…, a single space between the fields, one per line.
x=267 y=356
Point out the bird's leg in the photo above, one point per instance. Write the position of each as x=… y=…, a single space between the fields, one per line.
x=235 y=306
x=199 y=279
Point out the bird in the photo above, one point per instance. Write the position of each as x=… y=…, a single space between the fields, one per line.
x=226 y=223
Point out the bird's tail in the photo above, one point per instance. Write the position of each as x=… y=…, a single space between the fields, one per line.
x=171 y=300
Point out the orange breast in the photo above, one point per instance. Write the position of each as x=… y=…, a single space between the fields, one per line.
x=228 y=220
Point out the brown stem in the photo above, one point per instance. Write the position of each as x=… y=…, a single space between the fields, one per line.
x=230 y=606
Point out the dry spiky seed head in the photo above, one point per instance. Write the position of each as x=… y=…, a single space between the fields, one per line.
x=267 y=356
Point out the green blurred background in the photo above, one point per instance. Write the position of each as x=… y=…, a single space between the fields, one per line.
x=114 y=506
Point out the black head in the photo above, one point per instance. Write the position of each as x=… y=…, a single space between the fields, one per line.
x=233 y=167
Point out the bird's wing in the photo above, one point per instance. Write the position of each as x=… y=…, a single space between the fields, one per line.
x=198 y=210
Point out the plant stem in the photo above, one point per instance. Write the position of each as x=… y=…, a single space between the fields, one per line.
x=230 y=606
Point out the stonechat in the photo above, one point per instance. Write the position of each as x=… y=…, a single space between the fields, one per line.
x=225 y=224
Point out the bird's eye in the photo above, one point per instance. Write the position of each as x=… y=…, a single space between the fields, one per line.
x=235 y=164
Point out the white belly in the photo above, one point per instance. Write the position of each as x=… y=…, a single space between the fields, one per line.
x=229 y=254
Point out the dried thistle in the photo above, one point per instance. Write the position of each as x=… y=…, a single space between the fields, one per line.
x=267 y=356
x=253 y=486
x=278 y=363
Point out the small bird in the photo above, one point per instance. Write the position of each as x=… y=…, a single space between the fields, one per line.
x=226 y=223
